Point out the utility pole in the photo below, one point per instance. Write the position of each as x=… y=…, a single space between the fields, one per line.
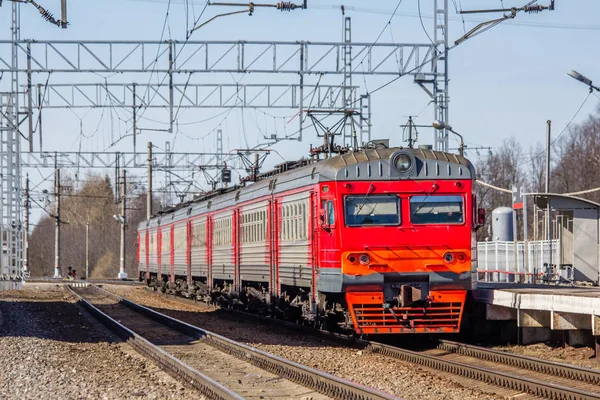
x=134 y=121
x=26 y=230
x=548 y=130
x=149 y=191
x=87 y=250
x=123 y=221
x=548 y=209
x=57 y=272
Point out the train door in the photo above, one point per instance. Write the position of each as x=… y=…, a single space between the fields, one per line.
x=328 y=221
x=313 y=226
x=188 y=251
x=209 y=251
x=159 y=253
x=236 y=250
x=172 y=253
x=273 y=233
x=147 y=255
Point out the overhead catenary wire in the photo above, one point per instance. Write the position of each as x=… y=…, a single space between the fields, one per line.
x=559 y=135
x=529 y=194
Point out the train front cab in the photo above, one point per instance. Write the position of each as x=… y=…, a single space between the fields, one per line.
x=400 y=251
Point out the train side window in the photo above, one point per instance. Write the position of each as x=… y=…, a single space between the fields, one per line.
x=330 y=213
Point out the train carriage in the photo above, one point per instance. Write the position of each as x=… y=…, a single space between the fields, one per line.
x=380 y=240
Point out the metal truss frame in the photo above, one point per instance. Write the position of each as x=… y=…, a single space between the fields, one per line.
x=131 y=95
x=301 y=57
x=160 y=160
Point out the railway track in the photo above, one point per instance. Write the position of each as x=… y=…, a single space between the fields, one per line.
x=517 y=373
x=218 y=367
x=540 y=378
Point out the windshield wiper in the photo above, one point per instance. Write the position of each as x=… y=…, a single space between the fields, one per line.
x=425 y=199
x=362 y=204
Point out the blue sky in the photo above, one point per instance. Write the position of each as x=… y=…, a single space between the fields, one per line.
x=505 y=82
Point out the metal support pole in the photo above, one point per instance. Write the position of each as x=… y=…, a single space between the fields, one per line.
x=301 y=99
x=548 y=208
x=123 y=221
x=87 y=250
x=410 y=137
x=548 y=133
x=149 y=191
x=39 y=92
x=26 y=229
x=526 y=266
x=64 y=13
x=440 y=70
x=171 y=116
x=29 y=99
x=134 y=122
x=57 y=271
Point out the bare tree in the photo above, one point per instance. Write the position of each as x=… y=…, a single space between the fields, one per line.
x=500 y=169
x=578 y=159
x=90 y=201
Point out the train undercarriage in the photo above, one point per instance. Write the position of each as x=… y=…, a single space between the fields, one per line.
x=358 y=312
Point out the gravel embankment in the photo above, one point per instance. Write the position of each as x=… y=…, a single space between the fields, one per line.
x=50 y=350
x=400 y=379
x=580 y=356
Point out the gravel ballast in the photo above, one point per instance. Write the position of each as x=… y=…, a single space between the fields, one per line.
x=374 y=370
x=51 y=350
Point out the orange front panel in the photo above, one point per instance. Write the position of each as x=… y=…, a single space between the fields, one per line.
x=407 y=259
x=440 y=313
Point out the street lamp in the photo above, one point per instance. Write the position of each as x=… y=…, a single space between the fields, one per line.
x=576 y=75
x=440 y=125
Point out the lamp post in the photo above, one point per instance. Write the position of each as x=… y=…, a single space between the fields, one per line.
x=586 y=81
x=443 y=125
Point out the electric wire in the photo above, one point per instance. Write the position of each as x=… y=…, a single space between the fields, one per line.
x=559 y=135
x=158 y=50
x=422 y=25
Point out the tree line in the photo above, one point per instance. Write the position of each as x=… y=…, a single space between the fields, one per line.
x=575 y=161
x=91 y=201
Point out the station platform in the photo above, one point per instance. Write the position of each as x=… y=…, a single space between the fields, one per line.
x=541 y=310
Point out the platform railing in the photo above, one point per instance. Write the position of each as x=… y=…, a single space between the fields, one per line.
x=519 y=262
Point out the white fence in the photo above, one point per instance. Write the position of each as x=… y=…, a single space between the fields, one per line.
x=525 y=262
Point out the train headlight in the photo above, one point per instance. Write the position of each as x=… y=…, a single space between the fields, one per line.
x=448 y=257
x=364 y=259
x=402 y=162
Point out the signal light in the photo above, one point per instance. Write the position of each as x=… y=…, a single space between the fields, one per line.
x=448 y=257
x=226 y=175
x=364 y=259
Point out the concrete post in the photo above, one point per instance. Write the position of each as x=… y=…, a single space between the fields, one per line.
x=57 y=272
x=26 y=230
x=87 y=250
x=123 y=221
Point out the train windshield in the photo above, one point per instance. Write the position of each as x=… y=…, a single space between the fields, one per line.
x=436 y=210
x=372 y=210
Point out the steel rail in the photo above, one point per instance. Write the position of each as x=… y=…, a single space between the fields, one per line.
x=525 y=362
x=543 y=389
x=319 y=381
x=174 y=366
x=505 y=380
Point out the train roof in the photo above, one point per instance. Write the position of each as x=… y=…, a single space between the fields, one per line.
x=369 y=164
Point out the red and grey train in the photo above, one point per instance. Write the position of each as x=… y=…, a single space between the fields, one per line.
x=379 y=240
